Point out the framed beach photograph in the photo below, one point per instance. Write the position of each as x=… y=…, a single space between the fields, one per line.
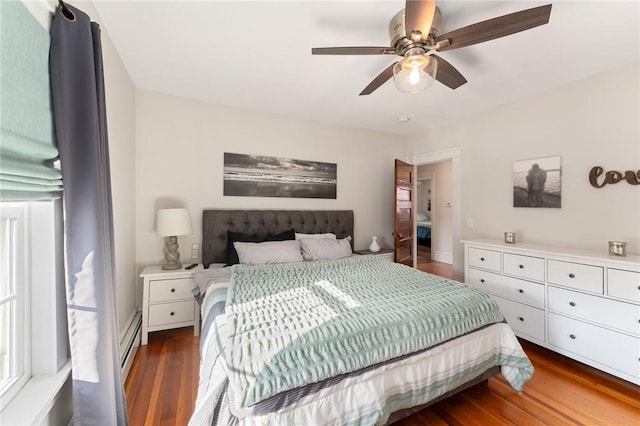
x=537 y=182
x=261 y=176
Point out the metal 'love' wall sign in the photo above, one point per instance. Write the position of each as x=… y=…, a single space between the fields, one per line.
x=612 y=176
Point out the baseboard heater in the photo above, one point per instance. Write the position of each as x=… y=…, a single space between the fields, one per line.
x=129 y=342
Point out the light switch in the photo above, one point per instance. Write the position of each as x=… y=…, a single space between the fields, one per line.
x=195 y=251
x=469 y=222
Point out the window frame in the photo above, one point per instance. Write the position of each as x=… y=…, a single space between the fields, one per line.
x=45 y=336
x=20 y=355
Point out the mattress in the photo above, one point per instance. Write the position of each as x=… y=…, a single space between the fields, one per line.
x=351 y=393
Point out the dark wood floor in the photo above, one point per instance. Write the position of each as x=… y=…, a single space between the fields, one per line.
x=161 y=389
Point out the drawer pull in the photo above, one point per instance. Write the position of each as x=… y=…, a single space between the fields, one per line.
x=572 y=303
x=520 y=290
x=521 y=266
x=573 y=336
x=172 y=313
x=482 y=259
x=521 y=319
x=173 y=290
x=572 y=276
x=482 y=280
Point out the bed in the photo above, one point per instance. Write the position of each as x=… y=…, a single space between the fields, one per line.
x=423 y=229
x=334 y=341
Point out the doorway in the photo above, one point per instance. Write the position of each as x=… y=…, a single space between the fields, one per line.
x=450 y=202
x=425 y=194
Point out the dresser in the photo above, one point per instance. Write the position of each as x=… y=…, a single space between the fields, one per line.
x=167 y=300
x=582 y=304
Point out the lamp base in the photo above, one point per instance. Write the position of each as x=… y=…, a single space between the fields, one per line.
x=172 y=256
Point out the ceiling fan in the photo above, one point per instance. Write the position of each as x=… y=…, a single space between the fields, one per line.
x=415 y=35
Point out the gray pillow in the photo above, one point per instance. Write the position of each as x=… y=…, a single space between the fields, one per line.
x=268 y=252
x=325 y=249
x=328 y=236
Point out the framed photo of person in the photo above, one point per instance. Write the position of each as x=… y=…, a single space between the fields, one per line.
x=537 y=182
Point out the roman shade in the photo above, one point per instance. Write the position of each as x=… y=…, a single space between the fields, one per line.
x=27 y=142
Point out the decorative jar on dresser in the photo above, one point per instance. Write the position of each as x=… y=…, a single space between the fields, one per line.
x=582 y=304
x=167 y=300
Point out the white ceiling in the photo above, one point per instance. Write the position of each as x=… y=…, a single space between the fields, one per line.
x=257 y=55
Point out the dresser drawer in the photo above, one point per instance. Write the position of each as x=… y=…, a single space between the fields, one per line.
x=576 y=275
x=624 y=284
x=522 y=319
x=511 y=288
x=485 y=259
x=610 y=313
x=169 y=290
x=523 y=266
x=612 y=349
x=169 y=313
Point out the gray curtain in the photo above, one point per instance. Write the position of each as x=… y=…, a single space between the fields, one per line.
x=81 y=129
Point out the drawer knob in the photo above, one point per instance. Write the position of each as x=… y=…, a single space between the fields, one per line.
x=573 y=336
x=572 y=303
x=173 y=290
x=521 y=266
x=572 y=276
x=172 y=313
x=482 y=259
x=481 y=280
x=520 y=290
x=521 y=319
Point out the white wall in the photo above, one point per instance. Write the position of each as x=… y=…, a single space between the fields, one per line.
x=179 y=163
x=589 y=122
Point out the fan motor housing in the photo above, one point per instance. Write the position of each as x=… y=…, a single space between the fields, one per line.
x=397 y=31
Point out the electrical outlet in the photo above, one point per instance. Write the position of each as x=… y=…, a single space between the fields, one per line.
x=469 y=222
x=195 y=251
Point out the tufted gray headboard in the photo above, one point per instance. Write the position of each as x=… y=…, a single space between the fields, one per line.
x=216 y=223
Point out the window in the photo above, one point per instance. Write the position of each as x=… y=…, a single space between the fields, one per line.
x=15 y=368
x=33 y=330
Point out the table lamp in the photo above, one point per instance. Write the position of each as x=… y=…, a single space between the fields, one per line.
x=171 y=223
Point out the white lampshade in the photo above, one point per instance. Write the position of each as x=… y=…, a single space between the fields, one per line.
x=173 y=222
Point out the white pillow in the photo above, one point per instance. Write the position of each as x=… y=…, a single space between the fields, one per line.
x=325 y=249
x=268 y=252
x=420 y=217
x=327 y=236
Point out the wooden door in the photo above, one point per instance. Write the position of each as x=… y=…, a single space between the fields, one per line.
x=403 y=226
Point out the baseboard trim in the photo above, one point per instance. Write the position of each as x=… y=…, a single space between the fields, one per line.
x=441 y=256
x=129 y=343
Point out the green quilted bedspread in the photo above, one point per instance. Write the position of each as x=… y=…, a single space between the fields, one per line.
x=300 y=323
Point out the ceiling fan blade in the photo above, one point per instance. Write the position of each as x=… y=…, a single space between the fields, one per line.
x=379 y=80
x=496 y=27
x=418 y=17
x=447 y=74
x=353 y=51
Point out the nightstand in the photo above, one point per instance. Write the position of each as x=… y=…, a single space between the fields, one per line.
x=167 y=300
x=386 y=254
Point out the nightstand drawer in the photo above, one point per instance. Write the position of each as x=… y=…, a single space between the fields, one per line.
x=576 y=275
x=169 y=290
x=169 y=313
x=524 y=266
x=485 y=259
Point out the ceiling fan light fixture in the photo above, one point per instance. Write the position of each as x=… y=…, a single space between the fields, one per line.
x=415 y=73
